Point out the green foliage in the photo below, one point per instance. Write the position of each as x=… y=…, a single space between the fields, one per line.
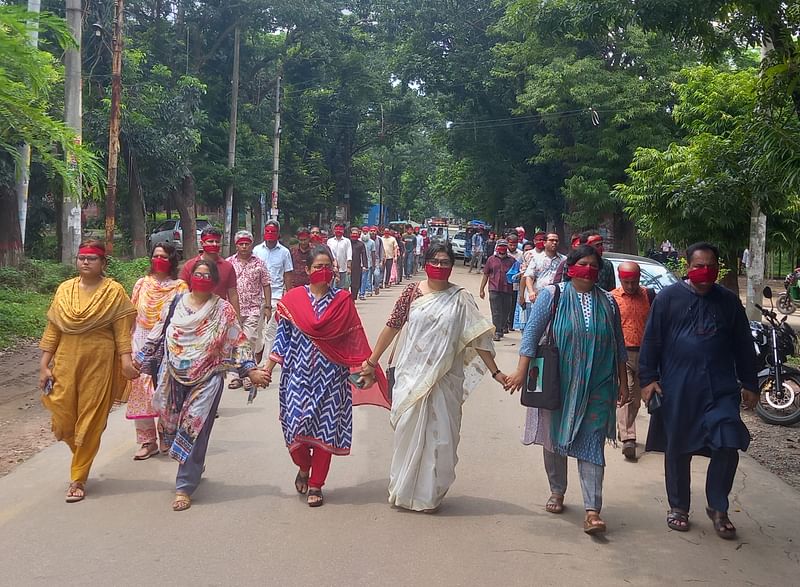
x=127 y=272
x=680 y=267
x=23 y=315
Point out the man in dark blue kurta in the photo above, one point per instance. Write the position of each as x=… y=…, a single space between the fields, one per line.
x=697 y=354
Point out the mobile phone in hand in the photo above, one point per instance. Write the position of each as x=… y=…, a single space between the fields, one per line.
x=48 y=386
x=355 y=379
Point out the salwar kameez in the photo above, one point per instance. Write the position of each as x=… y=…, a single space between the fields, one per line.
x=86 y=335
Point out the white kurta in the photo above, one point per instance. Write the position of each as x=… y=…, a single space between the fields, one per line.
x=437 y=367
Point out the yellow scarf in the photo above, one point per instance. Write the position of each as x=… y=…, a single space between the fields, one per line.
x=107 y=304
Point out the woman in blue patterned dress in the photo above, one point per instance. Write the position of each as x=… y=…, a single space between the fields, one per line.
x=319 y=340
x=588 y=334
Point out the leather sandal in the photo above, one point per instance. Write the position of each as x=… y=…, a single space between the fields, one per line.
x=593 y=524
x=147 y=450
x=301 y=483
x=182 y=502
x=722 y=524
x=555 y=505
x=318 y=500
x=72 y=493
x=678 y=520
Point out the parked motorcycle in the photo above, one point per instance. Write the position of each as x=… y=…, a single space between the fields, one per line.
x=790 y=299
x=779 y=383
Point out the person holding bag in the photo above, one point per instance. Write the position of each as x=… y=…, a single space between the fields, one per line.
x=445 y=332
x=587 y=332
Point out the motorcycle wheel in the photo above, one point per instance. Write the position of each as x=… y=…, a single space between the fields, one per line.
x=785 y=304
x=780 y=411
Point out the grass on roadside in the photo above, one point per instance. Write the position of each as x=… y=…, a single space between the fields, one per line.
x=26 y=291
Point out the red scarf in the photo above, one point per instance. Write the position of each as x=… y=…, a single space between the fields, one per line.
x=338 y=335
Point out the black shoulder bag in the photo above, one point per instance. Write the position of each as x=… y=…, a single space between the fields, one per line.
x=543 y=383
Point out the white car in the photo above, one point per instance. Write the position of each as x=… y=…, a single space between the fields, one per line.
x=654 y=275
x=170 y=232
x=459 y=242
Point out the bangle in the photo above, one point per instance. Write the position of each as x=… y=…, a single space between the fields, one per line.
x=371 y=364
x=495 y=373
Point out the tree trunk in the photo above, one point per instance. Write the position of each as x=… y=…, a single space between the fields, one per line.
x=624 y=234
x=227 y=242
x=755 y=273
x=731 y=280
x=185 y=202
x=11 y=251
x=71 y=206
x=136 y=205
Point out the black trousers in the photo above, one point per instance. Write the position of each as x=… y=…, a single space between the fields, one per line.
x=501 y=304
x=387 y=272
x=512 y=310
x=719 y=479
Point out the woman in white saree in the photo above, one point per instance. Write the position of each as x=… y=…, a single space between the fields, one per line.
x=442 y=356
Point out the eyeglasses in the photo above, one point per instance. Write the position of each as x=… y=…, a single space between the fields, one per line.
x=204 y=276
x=89 y=258
x=440 y=263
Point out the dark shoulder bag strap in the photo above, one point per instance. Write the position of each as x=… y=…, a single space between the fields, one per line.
x=556 y=296
x=651 y=295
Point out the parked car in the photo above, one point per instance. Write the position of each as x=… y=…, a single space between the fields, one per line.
x=170 y=232
x=458 y=242
x=654 y=275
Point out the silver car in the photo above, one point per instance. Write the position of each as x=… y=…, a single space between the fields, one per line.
x=459 y=242
x=654 y=275
x=170 y=232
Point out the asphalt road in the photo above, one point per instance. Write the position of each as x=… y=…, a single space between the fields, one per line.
x=248 y=527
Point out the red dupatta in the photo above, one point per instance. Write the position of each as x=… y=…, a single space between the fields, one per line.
x=339 y=335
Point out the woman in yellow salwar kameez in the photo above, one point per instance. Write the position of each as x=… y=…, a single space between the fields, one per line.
x=88 y=342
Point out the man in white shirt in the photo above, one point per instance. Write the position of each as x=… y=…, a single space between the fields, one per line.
x=541 y=270
x=343 y=255
x=278 y=260
x=390 y=254
x=418 y=250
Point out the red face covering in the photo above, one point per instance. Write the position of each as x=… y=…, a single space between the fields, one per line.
x=539 y=245
x=270 y=233
x=316 y=238
x=324 y=275
x=703 y=275
x=438 y=273
x=209 y=248
x=338 y=231
x=160 y=265
x=202 y=285
x=583 y=272
x=501 y=250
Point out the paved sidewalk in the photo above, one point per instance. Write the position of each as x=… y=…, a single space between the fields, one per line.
x=248 y=527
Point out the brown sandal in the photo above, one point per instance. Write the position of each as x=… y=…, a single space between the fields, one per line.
x=72 y=493
x=722 y=524
x=318 y=500
x=301 y=483
x=181 y=503
x=593 y=524
x=147 y=450
x=555 y=505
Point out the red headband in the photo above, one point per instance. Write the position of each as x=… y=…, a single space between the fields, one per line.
x=302 y=233
x=628 y=274
x=92 y=251
x=244 y=239
x=208 y=237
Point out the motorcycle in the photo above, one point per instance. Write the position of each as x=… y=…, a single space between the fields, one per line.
x=790 y=299
x=778 y=383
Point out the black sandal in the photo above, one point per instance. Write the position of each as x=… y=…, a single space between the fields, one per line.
x=678 y=520
x=301 y=483
x=317 y=502
x=722 y=524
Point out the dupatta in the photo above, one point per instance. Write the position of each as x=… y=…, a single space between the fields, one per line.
x=339 y=336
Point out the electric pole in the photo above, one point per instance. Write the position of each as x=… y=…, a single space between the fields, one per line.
x=383 y=169
x=276 y=149
x=71 y=202
x=113 y=124
x=24 y=171
x=232 y=142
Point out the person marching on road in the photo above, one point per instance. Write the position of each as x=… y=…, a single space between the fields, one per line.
x=390 y=251
x=359 y=264
x=500 y=291
x=633 y=302
x=697 y=355
x=278 y=260
x=211 y=244
x=342 y=255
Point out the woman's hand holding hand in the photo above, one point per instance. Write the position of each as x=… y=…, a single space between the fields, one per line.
x=515 y=381
x=502 y=379
x=129 y=371
x=367 y=370
x=260 y=377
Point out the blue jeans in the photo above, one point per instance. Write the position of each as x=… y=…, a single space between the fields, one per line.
x=409 y=264
x=366 y=284
x=591 y=476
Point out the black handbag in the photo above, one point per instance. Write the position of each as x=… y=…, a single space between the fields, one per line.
x=543 y=382
x=152 y=363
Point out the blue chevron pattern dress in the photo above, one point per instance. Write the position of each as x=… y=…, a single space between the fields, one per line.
x=316 y=404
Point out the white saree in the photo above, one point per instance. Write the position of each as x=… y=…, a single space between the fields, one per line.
x=436 y=368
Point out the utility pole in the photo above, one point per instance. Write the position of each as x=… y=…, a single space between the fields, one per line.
x=113 y=124
x=276 y=148
x=383 y=170
x=232 y=142
x=71 y=203
x=24 y=171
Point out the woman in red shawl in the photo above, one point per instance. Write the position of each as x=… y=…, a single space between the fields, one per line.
x=319 y=341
